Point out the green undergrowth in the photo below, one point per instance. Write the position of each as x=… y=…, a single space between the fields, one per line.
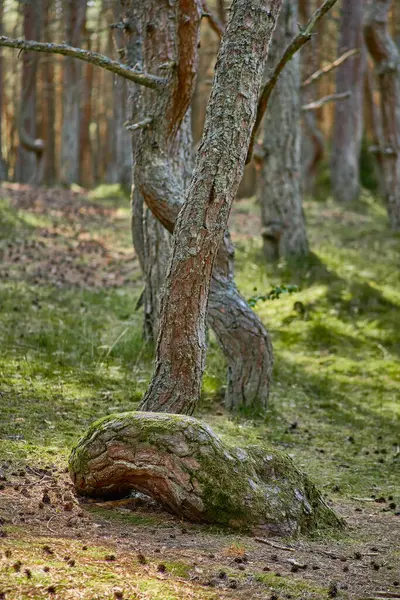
x=72 y=355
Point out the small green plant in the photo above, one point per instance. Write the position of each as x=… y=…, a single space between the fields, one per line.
x=275 y=292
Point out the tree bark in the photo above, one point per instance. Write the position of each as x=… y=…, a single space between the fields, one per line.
x=279 y=187
x=26 y=169
x=184 y=465
x=75 y=14
x=348 y=122
x=49 y=114
x=386 y=57
x=312 y=139
x=3 y=167
x=200 y=227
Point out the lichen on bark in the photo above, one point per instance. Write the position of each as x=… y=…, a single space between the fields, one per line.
x=185 y=466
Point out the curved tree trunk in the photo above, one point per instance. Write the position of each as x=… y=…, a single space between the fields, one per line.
x=348 y=123
x=386 y=57
x=279 y=186
x=240 y=333
x=200 y=227
x=182 y=464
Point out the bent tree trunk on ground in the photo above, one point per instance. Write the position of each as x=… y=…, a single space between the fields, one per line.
x=200 y=227
x=279 y=186
x=386 y=57
x=348 y=123
x=183 y=465
x=163 y=168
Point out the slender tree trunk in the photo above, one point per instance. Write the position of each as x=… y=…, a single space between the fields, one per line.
x=74 y=17
x=279 y=187
x=312 y=139
x=85 y=156
x=49 y=114
x=3 y=167
x=199 y=230
x=348 y=123
x=386 y=57
x=26 y=166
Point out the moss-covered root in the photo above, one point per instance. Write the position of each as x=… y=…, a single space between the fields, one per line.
x=184 y=465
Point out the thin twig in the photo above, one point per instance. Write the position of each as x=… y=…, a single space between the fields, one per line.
x=150 y=81
x=328 y=68
x=216 y=25
x=48 y=522
x=274 y=545
x=326 y=100
x=298 y=41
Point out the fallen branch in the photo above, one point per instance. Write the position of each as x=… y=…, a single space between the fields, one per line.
x=274 y=545
x=150 y=81
x=325 y=100
x=328 y=68
x=298 y=42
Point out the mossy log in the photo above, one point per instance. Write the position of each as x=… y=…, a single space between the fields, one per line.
x=189 y=470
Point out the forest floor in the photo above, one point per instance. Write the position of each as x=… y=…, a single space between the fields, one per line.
x=71 y=351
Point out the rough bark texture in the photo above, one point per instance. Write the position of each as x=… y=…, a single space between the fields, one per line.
x=182 y=464
x=279 y=187
x=348 y=122
x=49 y=115
x=386 y=57
x=312 y=139
x=199 y=230
x=163 y=169
x=74 y=17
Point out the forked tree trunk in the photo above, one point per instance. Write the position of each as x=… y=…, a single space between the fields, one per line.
x=348 y=122
x=386 y=57
x=200 y=227
x=245 y=343
x=74 y=18
x=279 y=186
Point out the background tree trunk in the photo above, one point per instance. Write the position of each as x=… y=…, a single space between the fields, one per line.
x=386 y=57
x=49 y=114
x=26 y=166
x=74 y=19
x=200 y=227
x=279 y=186
x=3 y=167
x=348 y=123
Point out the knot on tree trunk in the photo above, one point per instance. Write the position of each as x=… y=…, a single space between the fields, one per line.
x=190 y=471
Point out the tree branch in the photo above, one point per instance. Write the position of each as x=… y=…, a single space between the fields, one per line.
x=298 y=42
x=328 y=68
x=150 y=81
x=325 y=100
x=216 y=25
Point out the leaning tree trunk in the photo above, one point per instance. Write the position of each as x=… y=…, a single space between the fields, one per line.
x=348 y=122
x=245 y=343
x=75 y=14
x=200 y=227
x=279 y=186
x=183 y=465
x=386 y=57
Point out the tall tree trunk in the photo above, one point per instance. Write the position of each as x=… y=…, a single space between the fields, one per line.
x=279 y=187
x=200 y=227
x=240 y=333
x=74 y=18
x=386 y=57
x=27 y=164
x=49 y=114
x=85 y=156
x=312 y=139
x=3 y=167
x=348 y=123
